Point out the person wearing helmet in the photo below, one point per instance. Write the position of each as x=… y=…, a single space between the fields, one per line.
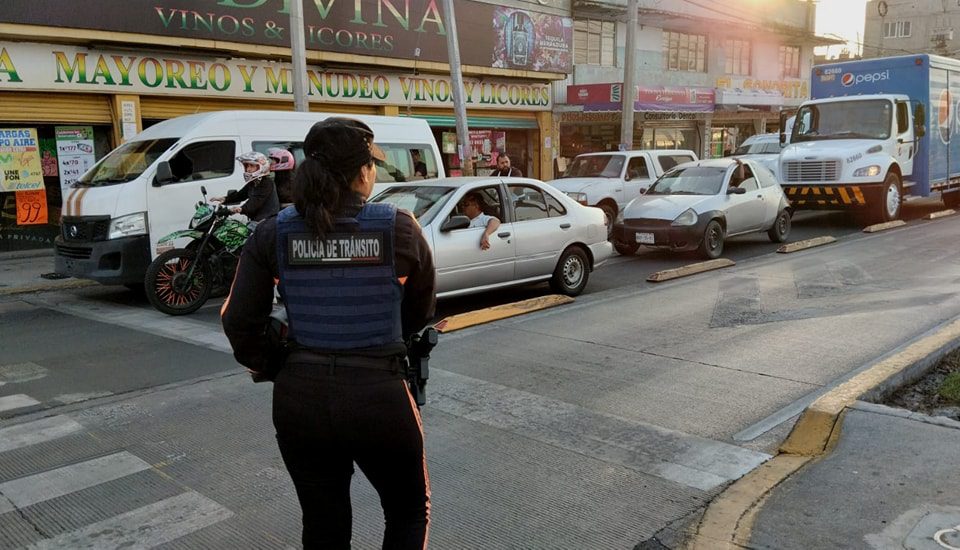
x=259 y=193
x=282 y=165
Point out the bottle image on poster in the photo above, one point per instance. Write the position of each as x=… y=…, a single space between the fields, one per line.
x=519 y=37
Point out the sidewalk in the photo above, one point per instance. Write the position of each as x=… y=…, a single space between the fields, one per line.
x=21 y=272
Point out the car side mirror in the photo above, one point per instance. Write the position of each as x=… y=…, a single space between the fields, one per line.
x=736 y=191
x=455 y=222
x=164 y=174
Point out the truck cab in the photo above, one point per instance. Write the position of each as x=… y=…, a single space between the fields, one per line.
x=611 y=179
x=855 y=152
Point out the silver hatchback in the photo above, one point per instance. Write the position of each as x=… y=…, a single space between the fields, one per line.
x=543 y=234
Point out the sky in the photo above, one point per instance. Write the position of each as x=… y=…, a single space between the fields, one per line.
x=841 y=17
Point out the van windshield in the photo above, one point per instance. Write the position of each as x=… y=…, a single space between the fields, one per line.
x=125 y=163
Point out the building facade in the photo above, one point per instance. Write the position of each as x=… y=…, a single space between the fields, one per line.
x=76 y=82
x=903 y=27
x=710 y=75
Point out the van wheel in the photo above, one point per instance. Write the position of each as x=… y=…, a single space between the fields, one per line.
x=888 y=208
x=572 y=272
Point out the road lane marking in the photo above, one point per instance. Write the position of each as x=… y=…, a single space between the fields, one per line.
x=146 y=527
x=18 y=401
x=38 y=431
x=30 y=490
x=691 y=269
x=805 y=244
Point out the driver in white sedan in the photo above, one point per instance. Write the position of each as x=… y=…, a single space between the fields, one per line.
x=470 y=205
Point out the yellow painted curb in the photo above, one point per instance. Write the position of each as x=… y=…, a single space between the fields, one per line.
x=691 y=269
x=728 y=520
x=487 y=315
x=883 y=226
x=941 y=214
x=803 y=245
x=45 y=287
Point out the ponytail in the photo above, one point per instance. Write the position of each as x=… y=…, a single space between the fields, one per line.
x=320 y=193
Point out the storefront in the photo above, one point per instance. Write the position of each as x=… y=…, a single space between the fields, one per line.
x=745 y=107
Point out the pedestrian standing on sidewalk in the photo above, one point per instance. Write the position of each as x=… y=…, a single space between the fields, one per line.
x=504 y=170
x=357 y=280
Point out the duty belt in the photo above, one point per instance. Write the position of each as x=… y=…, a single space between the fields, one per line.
x=390 y=363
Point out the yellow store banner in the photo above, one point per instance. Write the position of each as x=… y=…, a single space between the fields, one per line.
x=20 y=168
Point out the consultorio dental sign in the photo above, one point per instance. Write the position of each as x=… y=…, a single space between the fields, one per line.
x=46 y=67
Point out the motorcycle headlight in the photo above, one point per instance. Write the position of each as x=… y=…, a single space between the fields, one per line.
x=867 y=171
x=128 y=226
x=579 y=197
x=689 y=217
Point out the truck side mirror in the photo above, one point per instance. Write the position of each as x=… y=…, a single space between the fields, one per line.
x=164 y=174
x=783 y=128
x=919 y=118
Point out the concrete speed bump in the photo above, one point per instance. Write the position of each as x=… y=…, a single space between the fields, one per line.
x=941 y=214
x=44 y=287
x=803 y=245
x=495 y=313
x=729 y=519
x=883 y=226
x=691 y=269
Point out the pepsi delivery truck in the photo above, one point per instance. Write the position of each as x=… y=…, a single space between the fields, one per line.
x=876 y=132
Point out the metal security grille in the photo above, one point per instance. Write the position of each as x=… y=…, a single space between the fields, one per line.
x=85 y=228
x=806 y=171
x=75 y=252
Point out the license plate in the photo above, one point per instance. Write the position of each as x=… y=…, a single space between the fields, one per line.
x=645 y=238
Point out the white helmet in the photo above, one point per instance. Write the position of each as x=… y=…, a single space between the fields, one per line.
x=259 y=160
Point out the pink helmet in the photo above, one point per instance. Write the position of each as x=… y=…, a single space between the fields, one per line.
x=281 y=159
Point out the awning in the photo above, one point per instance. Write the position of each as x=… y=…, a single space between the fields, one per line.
x=754 y=98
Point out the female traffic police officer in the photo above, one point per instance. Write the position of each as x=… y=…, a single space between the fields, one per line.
x=357 y=279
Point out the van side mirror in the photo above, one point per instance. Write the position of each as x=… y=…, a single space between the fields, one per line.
x=455 y=222
x=164 y=174
x=919 y=119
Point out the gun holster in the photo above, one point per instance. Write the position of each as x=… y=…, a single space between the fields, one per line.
x=278 y=347
x=418 y=363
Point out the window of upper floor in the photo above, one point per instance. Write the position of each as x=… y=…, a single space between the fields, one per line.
x=685 y=52
x=594 y=42
x=790 y=61
x=897 y=29
x=738 y=54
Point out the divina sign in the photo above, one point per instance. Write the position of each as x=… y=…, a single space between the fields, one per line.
x=47 y=67
x=384 y=28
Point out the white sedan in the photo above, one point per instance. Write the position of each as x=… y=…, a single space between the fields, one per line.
x=543 y=234
x=698 y=205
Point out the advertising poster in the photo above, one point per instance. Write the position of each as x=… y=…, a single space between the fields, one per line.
x=31 y=207
x=532 y=41
x=74 y=153
x=48 y=158
x=20 y=168
x=448 y=144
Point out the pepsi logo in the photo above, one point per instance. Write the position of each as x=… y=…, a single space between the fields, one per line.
x=847 y=79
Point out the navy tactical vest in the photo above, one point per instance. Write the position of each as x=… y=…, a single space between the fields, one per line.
x=341 y=291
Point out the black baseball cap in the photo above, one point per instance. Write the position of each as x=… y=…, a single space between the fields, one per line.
x=340 y=133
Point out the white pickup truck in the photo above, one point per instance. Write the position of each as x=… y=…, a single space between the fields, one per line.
x=611 y=179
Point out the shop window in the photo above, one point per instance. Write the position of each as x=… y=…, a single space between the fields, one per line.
x=594 y=42
x=204 y=160
x=528 y=203
x=790 y=61
x=738 y=55
x=637 y=169
x=685 y=52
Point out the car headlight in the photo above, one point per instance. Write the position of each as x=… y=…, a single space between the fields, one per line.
x=867 y=171
x=689 y=217
x=579 y=197
x=128 y=226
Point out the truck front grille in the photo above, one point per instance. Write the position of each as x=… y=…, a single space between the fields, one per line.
x=74 y=252
x=85 y=228
x=808 y=171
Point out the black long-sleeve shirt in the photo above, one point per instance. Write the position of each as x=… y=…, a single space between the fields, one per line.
x=245 y=313
x=261 y=197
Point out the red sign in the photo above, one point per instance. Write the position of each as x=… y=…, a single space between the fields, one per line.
x=585 y=94
x=31 y=207
x=601 y=97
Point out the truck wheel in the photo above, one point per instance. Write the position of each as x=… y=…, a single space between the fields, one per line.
x=610 y=212
x=712 y=245
x=888 y=208
x=951 y=200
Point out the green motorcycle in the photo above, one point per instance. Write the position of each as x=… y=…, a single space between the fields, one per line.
x=180 y=281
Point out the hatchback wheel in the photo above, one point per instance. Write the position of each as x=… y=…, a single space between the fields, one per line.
x=712 y=245
x=781 y=227
x=572 y=271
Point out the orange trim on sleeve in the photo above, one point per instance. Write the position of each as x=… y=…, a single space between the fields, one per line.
x=403 y=280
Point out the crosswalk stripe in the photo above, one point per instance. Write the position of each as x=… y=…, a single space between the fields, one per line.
x=30 y=490
x=38 y=431
x=145 y=527
x=18 y=401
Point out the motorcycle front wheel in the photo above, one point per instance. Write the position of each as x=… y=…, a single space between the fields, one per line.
x=171 y=288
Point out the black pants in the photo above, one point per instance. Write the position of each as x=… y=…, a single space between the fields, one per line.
x=328 y=418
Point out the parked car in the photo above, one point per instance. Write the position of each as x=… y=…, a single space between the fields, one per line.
x=610 y=180
x=763 y=148
x=697 y=206
x=543 y=235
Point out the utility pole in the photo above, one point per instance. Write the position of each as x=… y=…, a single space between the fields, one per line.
x=298 y=55
x=456 y=82
x=629 y=92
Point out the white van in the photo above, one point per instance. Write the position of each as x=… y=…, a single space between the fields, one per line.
x=113 y=217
